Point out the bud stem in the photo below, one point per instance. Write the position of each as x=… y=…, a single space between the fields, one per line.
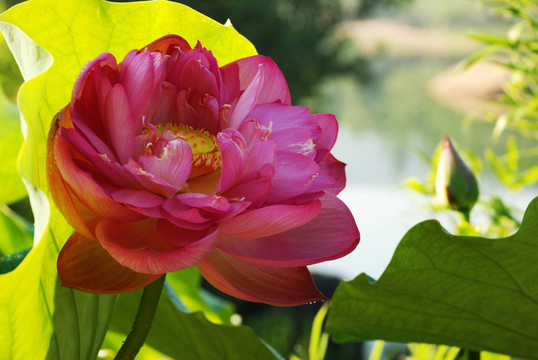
x=465 y=215
x=142 y=323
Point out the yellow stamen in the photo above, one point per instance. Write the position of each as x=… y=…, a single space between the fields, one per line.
x=206 y=155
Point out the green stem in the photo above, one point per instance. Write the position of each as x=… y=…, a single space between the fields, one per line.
x=465 y=215
x=143 y=320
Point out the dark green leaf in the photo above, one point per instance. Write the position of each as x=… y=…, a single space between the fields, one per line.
x=10 y=262
x=16 y=233
x=183 y=335
x=471 y=292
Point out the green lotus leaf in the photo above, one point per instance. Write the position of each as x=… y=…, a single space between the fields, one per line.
x=471 y=292
x=183 y=335
x=12 y=188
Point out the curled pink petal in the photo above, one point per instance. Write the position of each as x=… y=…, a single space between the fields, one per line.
x=295 y=140
x=270 y=285
x=330 y=235
x=198 y=211
x=253 y=132
x=253 y=187
x=162 y=108
x=89 y=94
x=104 y=166
x=294 y=174
x=168 y=43
x=289 y=117
x=99 y=144
x=141 y=72
x=329 y=130
x=256 y=181
x=88 y=191
x=150 y=181
x=137 y=198
x=205 y=201
x=154 y=247
x=332 y=176
x=85 y=265
x=173 y=165
x=120 y=124
x=233 y=148
x=196 y=77
x=239 y=74
x=184 y=215
x=270 y=220
x=259 y=155
x=246 y=101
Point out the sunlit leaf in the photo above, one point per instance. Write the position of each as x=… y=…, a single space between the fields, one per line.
x=318 y=339
x=428 y=352
x=467 y=229
x=498 y=168
x=470 y=292
x=418 y=186
x=508 y=170
x=477 y=56
x=187 y=284
x=491 y=39
x=12 y=188
x=112 y=344
x=512 y=155
x=51 y=41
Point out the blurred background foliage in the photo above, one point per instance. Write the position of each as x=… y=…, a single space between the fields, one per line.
x=299 y=35
x=510 y=149
x=517 y=51
x=10 y=76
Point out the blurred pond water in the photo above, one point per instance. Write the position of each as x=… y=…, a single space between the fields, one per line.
x=383 y=209
x=382 y=125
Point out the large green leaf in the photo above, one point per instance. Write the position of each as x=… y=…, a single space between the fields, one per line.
x=472 y=292
x=183 y=335
x=51 y=41
x=12 y=188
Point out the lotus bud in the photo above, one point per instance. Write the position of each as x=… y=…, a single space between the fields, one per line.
x=455 y=184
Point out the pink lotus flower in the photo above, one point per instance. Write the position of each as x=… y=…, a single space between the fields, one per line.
x=166 y=161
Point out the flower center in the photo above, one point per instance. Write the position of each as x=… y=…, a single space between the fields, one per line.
x=200 y=141
x=206 y=155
